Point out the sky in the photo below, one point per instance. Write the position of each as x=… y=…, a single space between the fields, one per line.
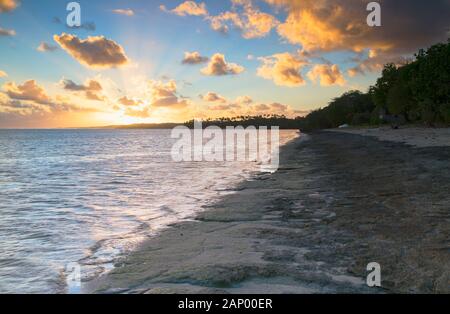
x=157 y=61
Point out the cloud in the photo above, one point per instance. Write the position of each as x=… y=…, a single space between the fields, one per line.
x=213 y=97
x=188 y=8
x=7 y=32
x=373 y=61
x=45 y=47
x=12 y=105
x=87 y=26
x=194 y=58
x=244 y=100
x=250 y=20
x=91 y=89
x=29 y=91
x=30 y=98
x=127 y=12
x=279 y=107
x=331 y=25
x=128 y=102
x=219 y=67
x=8 y=5
x=164 y=94
x=283 y=69
x=258 y=24
x=273 y=108
x=226 y=107
x=95 y=52
x=91 y=85
x=368 y=65
x=239 y=106
x=30 y=112
x=160 y=96
x=244 y=16
x=94 y=96
x=261 y=107
x=3 y=74
x=138 y=113
x=327 y=74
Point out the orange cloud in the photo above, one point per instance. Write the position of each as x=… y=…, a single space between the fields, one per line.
x=244 y=100
x=219 y=67
x=127 y=12
x=312 y=33
x=93 y=52
x=188 y=8
x=128 y=102
x=330 y=25
x=165 y=95
x=251 y=21
x=30 y=100
x=8 y=5
x=29 y=91
x=3 y=74
x=328 y=75
x=283 y=69
x=213 y=97
x=138 y=113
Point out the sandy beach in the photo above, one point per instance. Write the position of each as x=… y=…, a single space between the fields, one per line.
x=413 y=136
x=338 y=202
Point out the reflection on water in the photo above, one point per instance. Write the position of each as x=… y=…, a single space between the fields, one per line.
x=89 y=196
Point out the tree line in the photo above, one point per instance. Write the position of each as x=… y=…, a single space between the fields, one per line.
x=260 y=120
x=416 y=92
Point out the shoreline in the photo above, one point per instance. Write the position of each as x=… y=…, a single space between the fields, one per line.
x=410 y=135
x=337 y=203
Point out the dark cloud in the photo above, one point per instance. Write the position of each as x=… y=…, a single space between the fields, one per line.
x=88 y=26
x=91 y=89
x=92 y=85
x=341 y=24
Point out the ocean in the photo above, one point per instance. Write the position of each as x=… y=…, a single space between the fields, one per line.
x=89 y=197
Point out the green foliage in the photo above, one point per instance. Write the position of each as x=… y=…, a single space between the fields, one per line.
x=380 y=91
x=416 y=91
x=353 y=107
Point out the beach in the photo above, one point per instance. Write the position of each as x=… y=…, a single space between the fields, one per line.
x=413 y=136
x=338 y=202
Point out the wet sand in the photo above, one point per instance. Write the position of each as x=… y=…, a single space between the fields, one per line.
x=338 y=202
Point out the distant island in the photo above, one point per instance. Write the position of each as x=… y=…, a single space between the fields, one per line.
x=154 y=126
